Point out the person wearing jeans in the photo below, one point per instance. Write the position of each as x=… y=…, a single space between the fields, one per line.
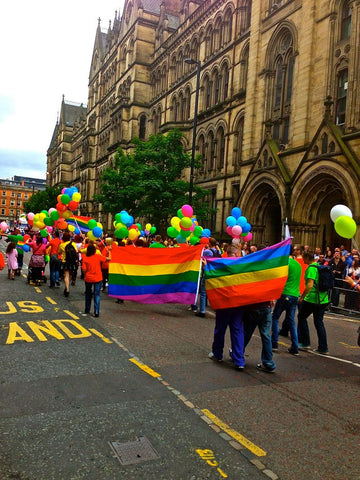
x=288 y=303
x=91 y=267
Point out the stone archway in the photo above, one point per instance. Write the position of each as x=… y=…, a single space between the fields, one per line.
x=263 y=210
x=311 y=222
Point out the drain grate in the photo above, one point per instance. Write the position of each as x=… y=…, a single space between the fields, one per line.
x=134 y=452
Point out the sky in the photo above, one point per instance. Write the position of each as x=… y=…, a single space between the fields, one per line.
x=46 y=51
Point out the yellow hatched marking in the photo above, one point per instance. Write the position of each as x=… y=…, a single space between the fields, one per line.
x=100 y=335
x=50 y=300
x=347 y=345
x=145 y=368
x=234 y=434
x=72 y=315
x=37 y=289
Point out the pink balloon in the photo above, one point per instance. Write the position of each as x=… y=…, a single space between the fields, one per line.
x=248 y=237
x=187 y=210
x=228 y=231
x=30 y=216
x=192 y=228
x=49 y=229
x=236 y=230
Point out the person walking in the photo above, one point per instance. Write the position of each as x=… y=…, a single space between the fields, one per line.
x=69 y=260
x=12 y=264
x=314 y=302
x=288 y=302
x=91 y=266
x=53 y=249
x=37 y=260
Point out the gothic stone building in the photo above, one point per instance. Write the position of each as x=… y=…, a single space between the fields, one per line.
x=278 y=123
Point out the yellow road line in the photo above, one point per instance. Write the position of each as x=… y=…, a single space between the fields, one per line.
x=234 y=434
x=347 y=345
x=100 y=335
x=72 y=315
x=37 y=289
x=50 y=300
x=145 y=368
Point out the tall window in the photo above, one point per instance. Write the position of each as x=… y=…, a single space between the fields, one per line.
x=220 y=143
x=142 y=127
x=207 y=92
x=224 y=82
x=283 y=73
x=345 y=20
x=342 y=87
x=239 y=132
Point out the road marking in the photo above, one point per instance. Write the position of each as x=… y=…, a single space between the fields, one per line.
x=144 y=367
x=72 y=315
x=50 y=300
x=100 y=335
x=348 y=346
x=209 y=457
x=234 y=434
x=37 y=289
x=11 y=307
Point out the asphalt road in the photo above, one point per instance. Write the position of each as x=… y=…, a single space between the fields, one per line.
x=138 y=377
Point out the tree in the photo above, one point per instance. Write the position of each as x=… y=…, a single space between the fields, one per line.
x=42 y=200
x=147 y=182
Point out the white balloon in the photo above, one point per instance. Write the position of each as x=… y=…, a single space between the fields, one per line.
x=339 y=211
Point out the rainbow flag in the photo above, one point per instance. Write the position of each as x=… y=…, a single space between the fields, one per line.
x=80 y=222
x=258 y=277
x=155 y=275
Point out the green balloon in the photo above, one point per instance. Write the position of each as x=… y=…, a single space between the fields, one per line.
x=55 y=215
x=197 y=231
x=123 y=232
x=92 y=223
x=172 y=232
x=49 y=222
x=118 y=217
x=180 y=214
x=194 y=240
x=152 y=230
x=345 y=226
x=44 y=233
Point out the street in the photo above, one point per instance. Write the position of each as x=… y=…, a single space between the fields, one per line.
x=74 y=389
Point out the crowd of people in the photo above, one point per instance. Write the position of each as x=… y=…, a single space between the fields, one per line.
x=66 y=253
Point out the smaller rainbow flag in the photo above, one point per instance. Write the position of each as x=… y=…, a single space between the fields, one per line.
x=155 y=275
x=80 y=222
x=258 y=277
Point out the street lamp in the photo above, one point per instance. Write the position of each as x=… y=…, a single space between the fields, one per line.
x=190 y=61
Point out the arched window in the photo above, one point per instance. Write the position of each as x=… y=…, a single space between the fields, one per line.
x=346 y=13
x=244 y=65
x=194 y=52
x=181 y=107
x=201 y=151
x=208 y=42
x=239 y=132
x=216 y=35
x=220 y=143
x=174 y=108
x=283 y=73
x=187 y=103
x=207 y=92
x=224 y=82
x=163 y=78
x=245 y=17
x=142 y=127
x=210 y=151
x=341 y=97
x=324 y=143
x=216 y=84
x=173 y=69
x=227 y=27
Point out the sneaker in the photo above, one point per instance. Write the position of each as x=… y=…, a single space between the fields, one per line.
x=304 y=347
x=58 y=284
x=238 y=367
x=275 y=347
x=200 y=314
x=293 y=352
x=263 y=368
x=192 y=309
x=321 y=352
x=212 y=357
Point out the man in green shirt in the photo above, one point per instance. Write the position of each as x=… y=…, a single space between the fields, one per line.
x=312 y=301
x=288 y=302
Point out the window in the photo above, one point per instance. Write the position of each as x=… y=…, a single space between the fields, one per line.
x=342 y=87
x=346 y=20
x=224 y=82
x=4 y=193
x=239 y=132
x=220 y=142
x=3 y=211
x=13 y=194
x=207 y=93
x=3 y=202
x=142 y=127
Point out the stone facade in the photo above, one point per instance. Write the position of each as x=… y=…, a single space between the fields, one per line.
x=278 y=123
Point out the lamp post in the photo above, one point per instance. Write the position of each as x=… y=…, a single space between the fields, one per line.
x=197 y=88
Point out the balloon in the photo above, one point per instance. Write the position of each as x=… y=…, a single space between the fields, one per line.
x=172 y=232
x=97 y=232
x=54 y=215
x=49 y=229
x=194 y=240
x=49 y=222
x=65 y=199
x=206 y=233
x=67 y=214
x=76 y=197
x=345 y=226
x=123 y=232
x=236 y=231
x=186 y=223
x=184 y=233
x=62 y=225
x=76 y=231
x=44 y=233
x=180 y=239
x=73 y=205
x=30 y=216
x=246 y=228
x=133 y=234
x=26 y=237
x=236 y=212
x=92 y=223
x=90 y=236
x=26 y=248
x=175 y=222
x=187 y=210
x=152 y=230
x=118 y=217
x=241 y=221
x=229 y=230
x=3 y=226
x=148 y=226
x=71 y=228
x=204 y=240
x=248 y=237
x=339 y=211
x=197 y=231
x=231 y=221
x=179 y=213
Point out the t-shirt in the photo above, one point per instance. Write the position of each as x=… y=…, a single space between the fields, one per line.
x=157 y=245
x=303 y=265
x=314 y=296
x=293 y=281
x=92 y=268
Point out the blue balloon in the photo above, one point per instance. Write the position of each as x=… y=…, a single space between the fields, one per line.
x=205 y=233
x=231 y=221
x=246 y=228
x=97 y=232
x=26 y=248
x=180 y=239
x=77 y=231
x=236 y=212
x=241 y=221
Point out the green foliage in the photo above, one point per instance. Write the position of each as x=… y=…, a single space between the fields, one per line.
x=147 y=182
x=42 y=200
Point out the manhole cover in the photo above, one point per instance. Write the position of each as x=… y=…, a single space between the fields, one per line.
x=134 y=452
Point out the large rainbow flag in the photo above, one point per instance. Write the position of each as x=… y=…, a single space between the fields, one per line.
x=155 y=275
x=80 y=222
x=258 y=277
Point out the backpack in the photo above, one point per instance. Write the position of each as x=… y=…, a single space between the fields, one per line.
x=216 y=252
x=71 y=254
x=326 y=278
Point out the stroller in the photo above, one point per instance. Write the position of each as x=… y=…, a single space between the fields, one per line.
x=30 y=275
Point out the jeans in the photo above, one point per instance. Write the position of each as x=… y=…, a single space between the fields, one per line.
x=54 y=270
x=232 y=318
x=88 y=295
x=289 y=304
x=260 y=316
x=202 y=294
x=305 y=309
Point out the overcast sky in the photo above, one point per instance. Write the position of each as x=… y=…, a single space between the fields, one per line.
x=46 y=50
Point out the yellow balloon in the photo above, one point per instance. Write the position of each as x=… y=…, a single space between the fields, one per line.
x=133 y=234
x=42 y=216
x=98 y=224
x=90 y=236
x=67 y=214
x=148 y=226
x=40 y=225
x=71 y=228
x=175 y=222
x=76 y=197
x=119 y=225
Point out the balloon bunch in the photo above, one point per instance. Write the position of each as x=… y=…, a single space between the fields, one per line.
x=20 y=241
x=68 y=202
x=3 y=227
x=125 y=227
x=238 y=226
x=95 y=229
x=185 y=227
x=344 y=224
